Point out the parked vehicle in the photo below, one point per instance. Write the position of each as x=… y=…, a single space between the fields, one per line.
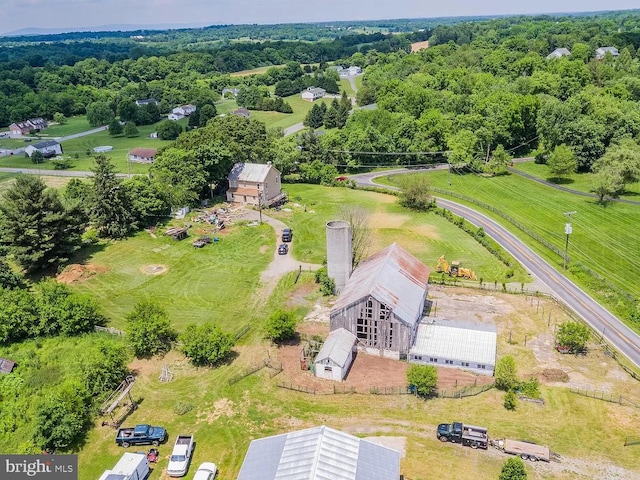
x=283 y=249
x=206 y=471
x=526 y=450
x=287 y=235
x=142 y=434
x=180 y=456
x=469 y=435
x=132 y=466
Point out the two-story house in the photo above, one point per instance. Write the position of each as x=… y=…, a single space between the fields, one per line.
x=254 y=184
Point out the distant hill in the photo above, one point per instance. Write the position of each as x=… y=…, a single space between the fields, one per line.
x=102 y=28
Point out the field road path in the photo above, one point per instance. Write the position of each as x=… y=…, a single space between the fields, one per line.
x=281 y=264
x=625 y=340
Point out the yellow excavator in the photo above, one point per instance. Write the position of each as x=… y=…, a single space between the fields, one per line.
x=454 y=270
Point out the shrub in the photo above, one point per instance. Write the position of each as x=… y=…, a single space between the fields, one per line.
x=506 y=374
x=423 y=377
x=181 y=408
x=280 y=326
x=510 y=400
x=327 y=284
x=513 y=469
x=530 y=388
x=206 y=344
x=573 y=335
x=148 y=330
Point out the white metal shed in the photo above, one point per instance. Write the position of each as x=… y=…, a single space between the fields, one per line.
x=336 y=355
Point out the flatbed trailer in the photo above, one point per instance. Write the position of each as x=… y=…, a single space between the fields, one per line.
x=525 y=450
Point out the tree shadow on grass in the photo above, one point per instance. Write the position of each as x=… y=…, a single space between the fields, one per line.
x=560 y=180
x=79 y=257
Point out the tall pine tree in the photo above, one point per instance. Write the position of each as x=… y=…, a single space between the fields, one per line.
x=35 y=227
x=111 y=206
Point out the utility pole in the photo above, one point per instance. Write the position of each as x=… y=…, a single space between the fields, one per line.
x=567 y=230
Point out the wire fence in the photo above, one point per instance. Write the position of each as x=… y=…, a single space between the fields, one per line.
x=604 y=396
x=338 y=389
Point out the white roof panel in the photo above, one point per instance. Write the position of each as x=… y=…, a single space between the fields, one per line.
x=337 y=347
x=462 y=341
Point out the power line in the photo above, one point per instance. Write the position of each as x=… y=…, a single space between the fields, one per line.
x=389 y=153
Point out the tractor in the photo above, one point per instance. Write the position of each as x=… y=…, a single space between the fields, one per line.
x=454 y=270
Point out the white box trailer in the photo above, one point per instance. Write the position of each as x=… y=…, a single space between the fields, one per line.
x=132 y=466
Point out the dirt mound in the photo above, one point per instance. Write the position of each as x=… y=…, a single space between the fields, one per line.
x=555 y=375
x=79 y=273
x=154 y=269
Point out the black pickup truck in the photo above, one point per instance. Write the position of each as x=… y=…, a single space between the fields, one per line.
x=141 y=435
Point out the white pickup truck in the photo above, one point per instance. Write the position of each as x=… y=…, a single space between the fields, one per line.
x=180 y=456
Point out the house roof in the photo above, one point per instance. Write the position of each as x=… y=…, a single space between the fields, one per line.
x=143 y=152
x=319 y=453
x=613 y=50
x=392 y=276
x=337 y=347
x=464 y=341
x=145 y=101
x=242 y=112
x=559 y=52
x=45 y=144
x=316 y=90
x=250 y=172
x=6 y=366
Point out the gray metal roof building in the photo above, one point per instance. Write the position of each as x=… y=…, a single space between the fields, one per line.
x=319 y=453
x=338 y=347
x=465 y=345
x=250 y=172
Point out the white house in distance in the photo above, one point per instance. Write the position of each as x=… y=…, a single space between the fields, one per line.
x=254 y=184
x=142 y=155
x=319 y=453
x=185 y=110
x=455 y=344
x=48 y=148
x=558 y=53
x=311 y=94
x=147 y=102
x=336 y=355
x=602 y=52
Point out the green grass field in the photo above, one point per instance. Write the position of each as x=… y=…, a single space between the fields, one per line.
x=346 y=86
x=425 y=235
x=578 y=181
x=283 y=120
x=73 y=125
x=602 y=237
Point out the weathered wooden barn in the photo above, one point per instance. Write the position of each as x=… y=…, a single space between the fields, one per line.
x=383 y=302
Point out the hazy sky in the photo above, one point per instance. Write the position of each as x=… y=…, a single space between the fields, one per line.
x=17 y=14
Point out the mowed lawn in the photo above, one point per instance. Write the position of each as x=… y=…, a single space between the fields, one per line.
x=583 y=182
x=603 y=238
x=73 y=125
x=215 y=283
x=425 y=235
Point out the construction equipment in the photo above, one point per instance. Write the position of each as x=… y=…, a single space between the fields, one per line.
x=454 y=270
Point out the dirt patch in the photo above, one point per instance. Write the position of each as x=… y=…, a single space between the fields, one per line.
x=222 y=407
x=79 y=273
x=380 y=220
x=299 y=296
x=426 y=231
x=155 y=269
x=554 y=375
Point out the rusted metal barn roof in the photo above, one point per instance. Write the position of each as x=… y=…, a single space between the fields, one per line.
x=393 y=277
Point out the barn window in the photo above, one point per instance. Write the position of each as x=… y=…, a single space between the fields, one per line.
x=327 y=368
x=434 y=360
x=481 y=366
x=449 y=362
x=390 y=337
x=464 y=364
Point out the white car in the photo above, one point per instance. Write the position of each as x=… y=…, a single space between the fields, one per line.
x=206 y=471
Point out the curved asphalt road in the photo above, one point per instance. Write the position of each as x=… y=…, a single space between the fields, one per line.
x=617 y=333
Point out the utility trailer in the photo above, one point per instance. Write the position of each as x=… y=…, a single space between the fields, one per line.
x=525 y=450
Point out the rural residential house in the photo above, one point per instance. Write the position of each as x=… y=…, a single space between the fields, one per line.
x=336 y=355
x=48 y=148
x=147 y=102
x=254 y=184
x=28 y=126
x=558 y=53
x=382 y=303
x=142 y=155
x=230 y=91
x=184 y=110
x=602 y=52
x=456 y=344
x=241 y=112
x=311 y=94
x=319 y=453
x=175 y=116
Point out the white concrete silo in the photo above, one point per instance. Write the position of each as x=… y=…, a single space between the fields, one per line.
x=339 y=255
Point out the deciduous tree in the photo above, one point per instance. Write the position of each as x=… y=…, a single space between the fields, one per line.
x=206 y=344
x=169 y=130
x=115 y=128
x=99 y=113
x=506 y=374
x=562 y=161
x=573 y=335
x=148 y=329
x=513 y=469
x=280 y=326
x=423 y=377
x=130 y=129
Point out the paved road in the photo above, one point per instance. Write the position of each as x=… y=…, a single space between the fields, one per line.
x=600 y=319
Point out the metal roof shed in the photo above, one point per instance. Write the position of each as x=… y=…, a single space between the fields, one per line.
x=319 y=453
x=455 y=344
x=336 y=355
x=6 y=366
